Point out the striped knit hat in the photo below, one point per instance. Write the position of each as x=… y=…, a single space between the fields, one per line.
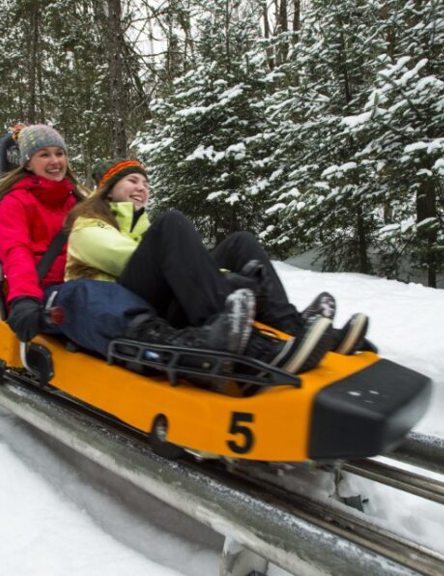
x=107 y=173
x=32 y=138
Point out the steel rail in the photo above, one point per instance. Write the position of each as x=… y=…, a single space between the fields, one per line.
x=404 y=480
x=341 y=520
x=422 y=450
x=291 y=531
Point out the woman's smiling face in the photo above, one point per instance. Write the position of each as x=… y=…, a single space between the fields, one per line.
x=50 y=162
x=131 y=188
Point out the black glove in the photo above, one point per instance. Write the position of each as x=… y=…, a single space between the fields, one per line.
x=237 y=280
x=25 y=317
x=252 y=275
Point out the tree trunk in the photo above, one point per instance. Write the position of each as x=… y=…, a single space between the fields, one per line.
x=267 y=35
x=283 y=27
x=425 y=209
x=118 y=96
x=343 y=64
x=364 y=264
x=33 y=60
x=227 y=33
x=296 y=15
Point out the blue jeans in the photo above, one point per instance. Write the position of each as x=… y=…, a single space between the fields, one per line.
x=94 y=312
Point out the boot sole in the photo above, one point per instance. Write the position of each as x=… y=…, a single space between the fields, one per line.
x=356 y=333
x=316 y=307
x=242 y=310
x=311 y=350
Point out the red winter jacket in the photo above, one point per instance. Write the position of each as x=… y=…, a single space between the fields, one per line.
x=31 y=214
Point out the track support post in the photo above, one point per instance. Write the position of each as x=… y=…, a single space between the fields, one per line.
x=238 y=561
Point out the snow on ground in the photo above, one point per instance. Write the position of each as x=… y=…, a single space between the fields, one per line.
x=43 y=533
x=406 y=321
x=54 y=522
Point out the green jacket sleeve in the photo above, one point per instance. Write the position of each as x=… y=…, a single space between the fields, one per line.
x=100 y=246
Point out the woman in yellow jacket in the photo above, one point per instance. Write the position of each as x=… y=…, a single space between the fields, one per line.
x=166 y=263
x=105 y=233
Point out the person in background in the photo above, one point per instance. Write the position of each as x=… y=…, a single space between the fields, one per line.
x=9 y=152
x=35 y=199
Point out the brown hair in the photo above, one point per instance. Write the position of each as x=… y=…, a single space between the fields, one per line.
x=96 y=206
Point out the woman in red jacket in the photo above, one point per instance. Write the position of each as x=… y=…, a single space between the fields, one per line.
x=35 y=199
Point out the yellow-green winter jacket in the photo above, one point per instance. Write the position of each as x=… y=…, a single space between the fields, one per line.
x=97 y=250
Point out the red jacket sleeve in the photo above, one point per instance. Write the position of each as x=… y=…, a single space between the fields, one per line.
x=16 y=252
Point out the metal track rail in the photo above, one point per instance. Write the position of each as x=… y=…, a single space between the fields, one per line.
x=407 y=481
x=422 y=450
x=346 y=523
x=292 y=531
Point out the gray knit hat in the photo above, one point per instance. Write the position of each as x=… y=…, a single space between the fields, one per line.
x=32 y=138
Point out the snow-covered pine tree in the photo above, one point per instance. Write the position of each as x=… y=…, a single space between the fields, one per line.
x=202 y=144
x=75 y=80
x=322 y=199
x=401 y=127
x=53 y=69
x=19 y=54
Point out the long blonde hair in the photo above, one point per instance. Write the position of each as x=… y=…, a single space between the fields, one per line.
x=14 y=176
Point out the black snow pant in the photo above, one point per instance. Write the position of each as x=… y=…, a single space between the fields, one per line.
x=273 y=307
x=173 y=271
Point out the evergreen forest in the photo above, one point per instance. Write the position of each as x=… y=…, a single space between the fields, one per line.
x=311 y=123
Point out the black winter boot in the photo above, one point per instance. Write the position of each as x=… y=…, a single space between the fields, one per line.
x=297 y=354
x=228 y=332
x=351 y=337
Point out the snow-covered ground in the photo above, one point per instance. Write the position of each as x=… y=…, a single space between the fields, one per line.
x=57 y=518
